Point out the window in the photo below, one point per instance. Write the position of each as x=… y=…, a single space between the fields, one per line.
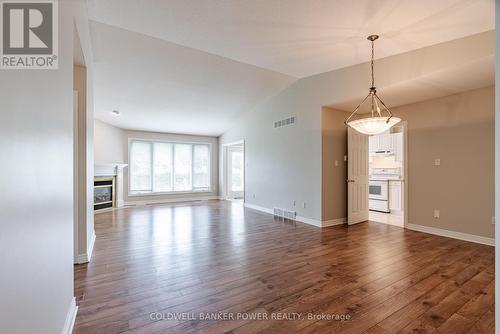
x=161 y=167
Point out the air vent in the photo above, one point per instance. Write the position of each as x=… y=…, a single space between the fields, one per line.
x=284 y=122
x=282 y=213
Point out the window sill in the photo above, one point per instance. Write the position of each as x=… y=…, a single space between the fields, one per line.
x=172 y=193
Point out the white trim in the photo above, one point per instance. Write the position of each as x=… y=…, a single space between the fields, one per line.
x=171 y=200
x=309 y=221
x=170 y=193
x=81 y=258
x=258 y=208
x=90 y=248
x=70 y=317
x=241 y=141
x=452 y=234
x=85 y=257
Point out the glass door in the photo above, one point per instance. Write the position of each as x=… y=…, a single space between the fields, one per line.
x=236 y=173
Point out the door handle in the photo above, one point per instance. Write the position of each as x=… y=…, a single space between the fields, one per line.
x=350 y=181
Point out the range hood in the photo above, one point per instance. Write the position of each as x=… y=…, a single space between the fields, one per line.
x=383 y=153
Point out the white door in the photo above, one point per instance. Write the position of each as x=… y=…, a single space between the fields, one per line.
x=236 y=173
x=357 y=177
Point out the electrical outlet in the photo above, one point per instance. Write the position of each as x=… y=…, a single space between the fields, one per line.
x=304 y=205
x=437 y=162
x=437 y=213
x=336 y=163
x=294 y=203
x=253 y=195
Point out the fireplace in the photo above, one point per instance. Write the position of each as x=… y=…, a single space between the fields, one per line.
x=108 y=186
x=104 y=193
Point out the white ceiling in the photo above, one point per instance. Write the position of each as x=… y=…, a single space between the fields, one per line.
x=163 y=87
x=191 y=66
x=299 y=38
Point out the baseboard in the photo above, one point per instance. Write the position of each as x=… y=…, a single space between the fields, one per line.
x=309 y=221
x=305 y=220
x=85 y=257
x=452 y=234
x=259 y=208
x=70 y=317
x=81 y=258
x=333 y=222
x=171 y=200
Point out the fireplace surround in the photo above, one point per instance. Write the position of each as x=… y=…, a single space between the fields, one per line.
x=108 y=186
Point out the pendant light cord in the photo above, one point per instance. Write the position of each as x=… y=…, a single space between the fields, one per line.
x=373 y=77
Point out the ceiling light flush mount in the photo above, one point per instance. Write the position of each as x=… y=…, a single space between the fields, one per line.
x=115 y=112
x=377 y=123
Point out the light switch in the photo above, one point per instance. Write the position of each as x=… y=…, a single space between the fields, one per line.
x=336 y=163
x=437 y=213
x=437 y=162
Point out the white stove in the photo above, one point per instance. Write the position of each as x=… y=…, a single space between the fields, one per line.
x=378 y=194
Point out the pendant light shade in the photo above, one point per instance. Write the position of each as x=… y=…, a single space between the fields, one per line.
x=373 y=125
x=377 y=123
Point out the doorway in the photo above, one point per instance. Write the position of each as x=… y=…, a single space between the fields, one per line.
x=234 y=171
x=377 y=177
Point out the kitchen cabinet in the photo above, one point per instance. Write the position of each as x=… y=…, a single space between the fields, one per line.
x=389 y=143
x=396 y=196
x=382 y=142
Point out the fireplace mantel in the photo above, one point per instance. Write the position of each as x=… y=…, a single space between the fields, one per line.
x=114 y=170
x=101 y=170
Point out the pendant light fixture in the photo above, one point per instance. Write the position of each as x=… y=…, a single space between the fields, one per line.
x=377 y=123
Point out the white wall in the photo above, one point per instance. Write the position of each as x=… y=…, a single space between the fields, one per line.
x=36 y=183
x=108 y=144
x=283 y=165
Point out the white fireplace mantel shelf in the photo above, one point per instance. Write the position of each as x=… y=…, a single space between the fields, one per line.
x=114 y=169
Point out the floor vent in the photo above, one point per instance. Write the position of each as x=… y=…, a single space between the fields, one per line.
x=284 y=213
x=284 y=122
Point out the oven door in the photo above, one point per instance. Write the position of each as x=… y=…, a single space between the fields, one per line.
x=378 y=190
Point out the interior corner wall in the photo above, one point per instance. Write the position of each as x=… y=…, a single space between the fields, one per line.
x=459 y=130
x=36 y=183
x=334 y=168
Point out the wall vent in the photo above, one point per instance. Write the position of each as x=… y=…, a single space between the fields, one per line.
x=284 y=213
x=285 y=122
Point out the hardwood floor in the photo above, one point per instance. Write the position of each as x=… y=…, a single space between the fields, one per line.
x=155 y=262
